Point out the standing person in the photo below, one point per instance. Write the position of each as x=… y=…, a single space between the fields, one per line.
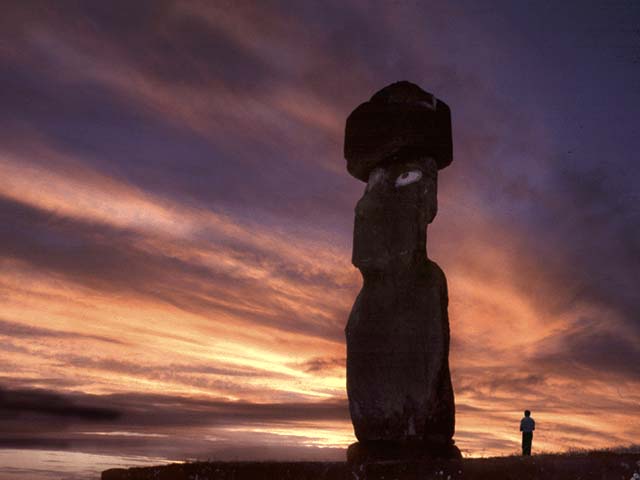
x=527 y=426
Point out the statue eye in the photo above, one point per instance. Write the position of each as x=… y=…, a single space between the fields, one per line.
x=408 y=177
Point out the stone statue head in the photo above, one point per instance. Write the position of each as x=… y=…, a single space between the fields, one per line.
x=396 y=142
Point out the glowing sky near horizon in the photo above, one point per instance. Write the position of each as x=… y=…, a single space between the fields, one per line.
x=176 y=222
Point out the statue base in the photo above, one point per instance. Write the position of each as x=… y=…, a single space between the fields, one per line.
x=411 y=459
x=385 y=451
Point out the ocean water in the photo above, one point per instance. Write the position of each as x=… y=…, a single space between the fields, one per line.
x=63 y=465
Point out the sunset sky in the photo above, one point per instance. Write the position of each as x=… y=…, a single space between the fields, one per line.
x=176 y=223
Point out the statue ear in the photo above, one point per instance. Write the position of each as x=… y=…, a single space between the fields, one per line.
x=431 y=213
x=431 y=200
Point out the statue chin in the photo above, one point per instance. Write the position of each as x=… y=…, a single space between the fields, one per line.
x=402 y=261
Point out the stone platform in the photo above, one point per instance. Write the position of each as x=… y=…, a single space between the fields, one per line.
x=384 y=451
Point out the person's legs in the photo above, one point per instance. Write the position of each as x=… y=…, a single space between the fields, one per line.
x=527 y=437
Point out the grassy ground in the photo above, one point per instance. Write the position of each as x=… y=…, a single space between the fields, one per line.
x=618 y=464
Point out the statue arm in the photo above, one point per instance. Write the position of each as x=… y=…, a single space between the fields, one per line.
x=439 y=335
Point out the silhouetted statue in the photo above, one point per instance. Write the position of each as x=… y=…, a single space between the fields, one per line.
x=398 y=381
x=527 y=426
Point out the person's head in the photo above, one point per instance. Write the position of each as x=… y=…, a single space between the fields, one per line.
x=527 y=413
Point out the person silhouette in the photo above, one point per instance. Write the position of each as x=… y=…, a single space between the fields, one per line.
x=527 y=426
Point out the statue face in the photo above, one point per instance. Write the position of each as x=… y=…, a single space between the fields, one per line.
x=400 y=200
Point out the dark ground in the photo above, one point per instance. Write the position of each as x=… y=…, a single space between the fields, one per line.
x=594 y=465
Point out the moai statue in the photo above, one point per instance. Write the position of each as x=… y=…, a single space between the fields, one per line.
x=398 y=381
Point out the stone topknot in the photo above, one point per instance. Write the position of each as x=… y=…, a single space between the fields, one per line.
x=401 y=92
x=401 y=119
